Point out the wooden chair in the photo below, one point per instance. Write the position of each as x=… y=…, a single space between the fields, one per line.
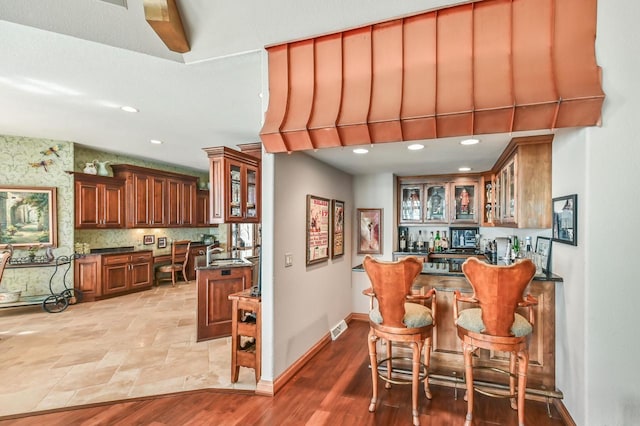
x=397 y=319
x=179 y=257
x=495 y=325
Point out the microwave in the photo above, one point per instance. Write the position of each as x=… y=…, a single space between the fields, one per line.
x=463 y=237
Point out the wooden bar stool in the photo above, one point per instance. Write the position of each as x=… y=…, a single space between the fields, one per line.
x=397 y=319
x=495 y=325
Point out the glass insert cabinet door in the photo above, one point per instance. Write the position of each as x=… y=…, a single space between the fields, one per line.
x=235 y=206
x=436 y=203
x=411 y=203
x=465 y=208
x=252 y=211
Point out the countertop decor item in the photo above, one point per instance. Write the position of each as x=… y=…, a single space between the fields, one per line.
x=90 y=169
x=101 y=167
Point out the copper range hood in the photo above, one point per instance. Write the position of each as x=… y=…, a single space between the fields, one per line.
x=491 y=66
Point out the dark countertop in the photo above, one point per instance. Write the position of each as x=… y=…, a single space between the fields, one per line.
x=221 y=261
x=452 y=268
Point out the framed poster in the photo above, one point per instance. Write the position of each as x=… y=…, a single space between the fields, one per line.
x=317 y=229
x=565 y=219
x=369 y=231
x=337 y=228
x=28 y=216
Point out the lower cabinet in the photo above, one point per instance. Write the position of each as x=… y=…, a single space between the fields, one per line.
x=100 y=276
x=214 y=307
x=194 y=251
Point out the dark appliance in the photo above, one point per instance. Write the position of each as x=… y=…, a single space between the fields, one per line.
x=463 y=238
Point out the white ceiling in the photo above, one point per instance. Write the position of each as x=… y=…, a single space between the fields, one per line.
x=68 y=65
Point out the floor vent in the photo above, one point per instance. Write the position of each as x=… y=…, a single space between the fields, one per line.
x=338 y=330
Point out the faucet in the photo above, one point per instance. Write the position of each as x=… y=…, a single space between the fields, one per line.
x=212 y=250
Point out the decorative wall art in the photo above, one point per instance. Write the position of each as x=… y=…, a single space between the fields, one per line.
x=317 y=229
x=148 y=239
x=28 y=217
x=370 y=231
x=162 y=242
x=543 y=254
x=565 y=219
x=337 y=228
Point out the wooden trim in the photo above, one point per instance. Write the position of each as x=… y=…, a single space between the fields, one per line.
x=229 y=153
x=564 y=413
x=265 y=388
x=514 y=144
x=121 y=168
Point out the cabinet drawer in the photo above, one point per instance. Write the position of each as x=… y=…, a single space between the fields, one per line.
x=115 y=259
x=140 y=257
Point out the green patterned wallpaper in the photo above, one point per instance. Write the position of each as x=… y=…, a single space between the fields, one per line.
x=16 y=156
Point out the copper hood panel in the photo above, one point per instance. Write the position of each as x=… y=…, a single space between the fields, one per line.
x=492 y=66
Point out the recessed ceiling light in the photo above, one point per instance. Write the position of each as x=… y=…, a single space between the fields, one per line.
x=469 y=141
x=415 y=147
x=360 y=151
x=128 y=108
x=464 y=169
x=155 y=141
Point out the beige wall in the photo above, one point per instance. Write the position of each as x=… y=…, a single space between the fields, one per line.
x=308 y=300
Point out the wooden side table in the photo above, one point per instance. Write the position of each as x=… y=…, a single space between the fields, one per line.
x=243 y=325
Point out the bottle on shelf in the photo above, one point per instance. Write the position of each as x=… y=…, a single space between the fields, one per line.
x=438 y=248
x=444 y=243
x=420 y=242
x=411 y=248
x=515 y=252
x=403 y=242
x=431 y=243
x=528 y=248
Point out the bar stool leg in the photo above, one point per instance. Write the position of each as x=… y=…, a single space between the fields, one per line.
x=523 y=362
x=415 y=370
x=387 y=384
x=427 y=359
x=512 y=379
x=468 y=368
x=373 y=359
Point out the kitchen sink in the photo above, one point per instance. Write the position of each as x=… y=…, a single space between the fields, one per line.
x=233 y=261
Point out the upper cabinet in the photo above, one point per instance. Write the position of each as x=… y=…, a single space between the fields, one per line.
x=156 y=199
x=235 y=186
x=438 y=200
x=518 y=190
x=99 y=202
x=202 y=208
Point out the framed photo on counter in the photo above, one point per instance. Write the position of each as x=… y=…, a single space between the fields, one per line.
x=543 y=253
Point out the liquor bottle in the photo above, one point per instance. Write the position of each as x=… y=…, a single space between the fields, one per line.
x=410 y=241
x=431 y=243
x=444 y=243
x=437 y=242
x=515 y=253
x=403 y=242
x=528 y=248
x=420 y=241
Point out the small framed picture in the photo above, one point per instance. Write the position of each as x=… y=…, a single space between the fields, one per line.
x=162 y=242
x=370 y=231
x=149 y=239
x=317 y=229
x=565 y=219
x=337 y=228
x=543 y=253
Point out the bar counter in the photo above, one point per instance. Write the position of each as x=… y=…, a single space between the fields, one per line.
x=447 y=363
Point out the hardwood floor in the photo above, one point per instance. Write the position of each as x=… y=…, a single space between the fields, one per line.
x=334 y=388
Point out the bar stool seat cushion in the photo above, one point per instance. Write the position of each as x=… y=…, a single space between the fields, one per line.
x=415 y=315
x=471 y=319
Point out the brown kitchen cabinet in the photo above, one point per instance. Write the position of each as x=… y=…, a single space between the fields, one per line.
x=122 y=273
x=195 y=250
x=202 y=208
x=181 y=202
x=97 y=276
x=99 y=202
x=450 y=199
x=521 y=185
x=214 y=286
x=235 y=191
x=157 y=199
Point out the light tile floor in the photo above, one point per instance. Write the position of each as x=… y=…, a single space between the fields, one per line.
x=130 y=346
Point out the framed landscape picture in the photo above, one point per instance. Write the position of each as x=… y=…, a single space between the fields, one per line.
x=369 y=222
x=28 y=216
x=317 y=229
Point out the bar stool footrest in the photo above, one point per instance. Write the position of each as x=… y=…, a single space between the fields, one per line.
x=382 y=370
